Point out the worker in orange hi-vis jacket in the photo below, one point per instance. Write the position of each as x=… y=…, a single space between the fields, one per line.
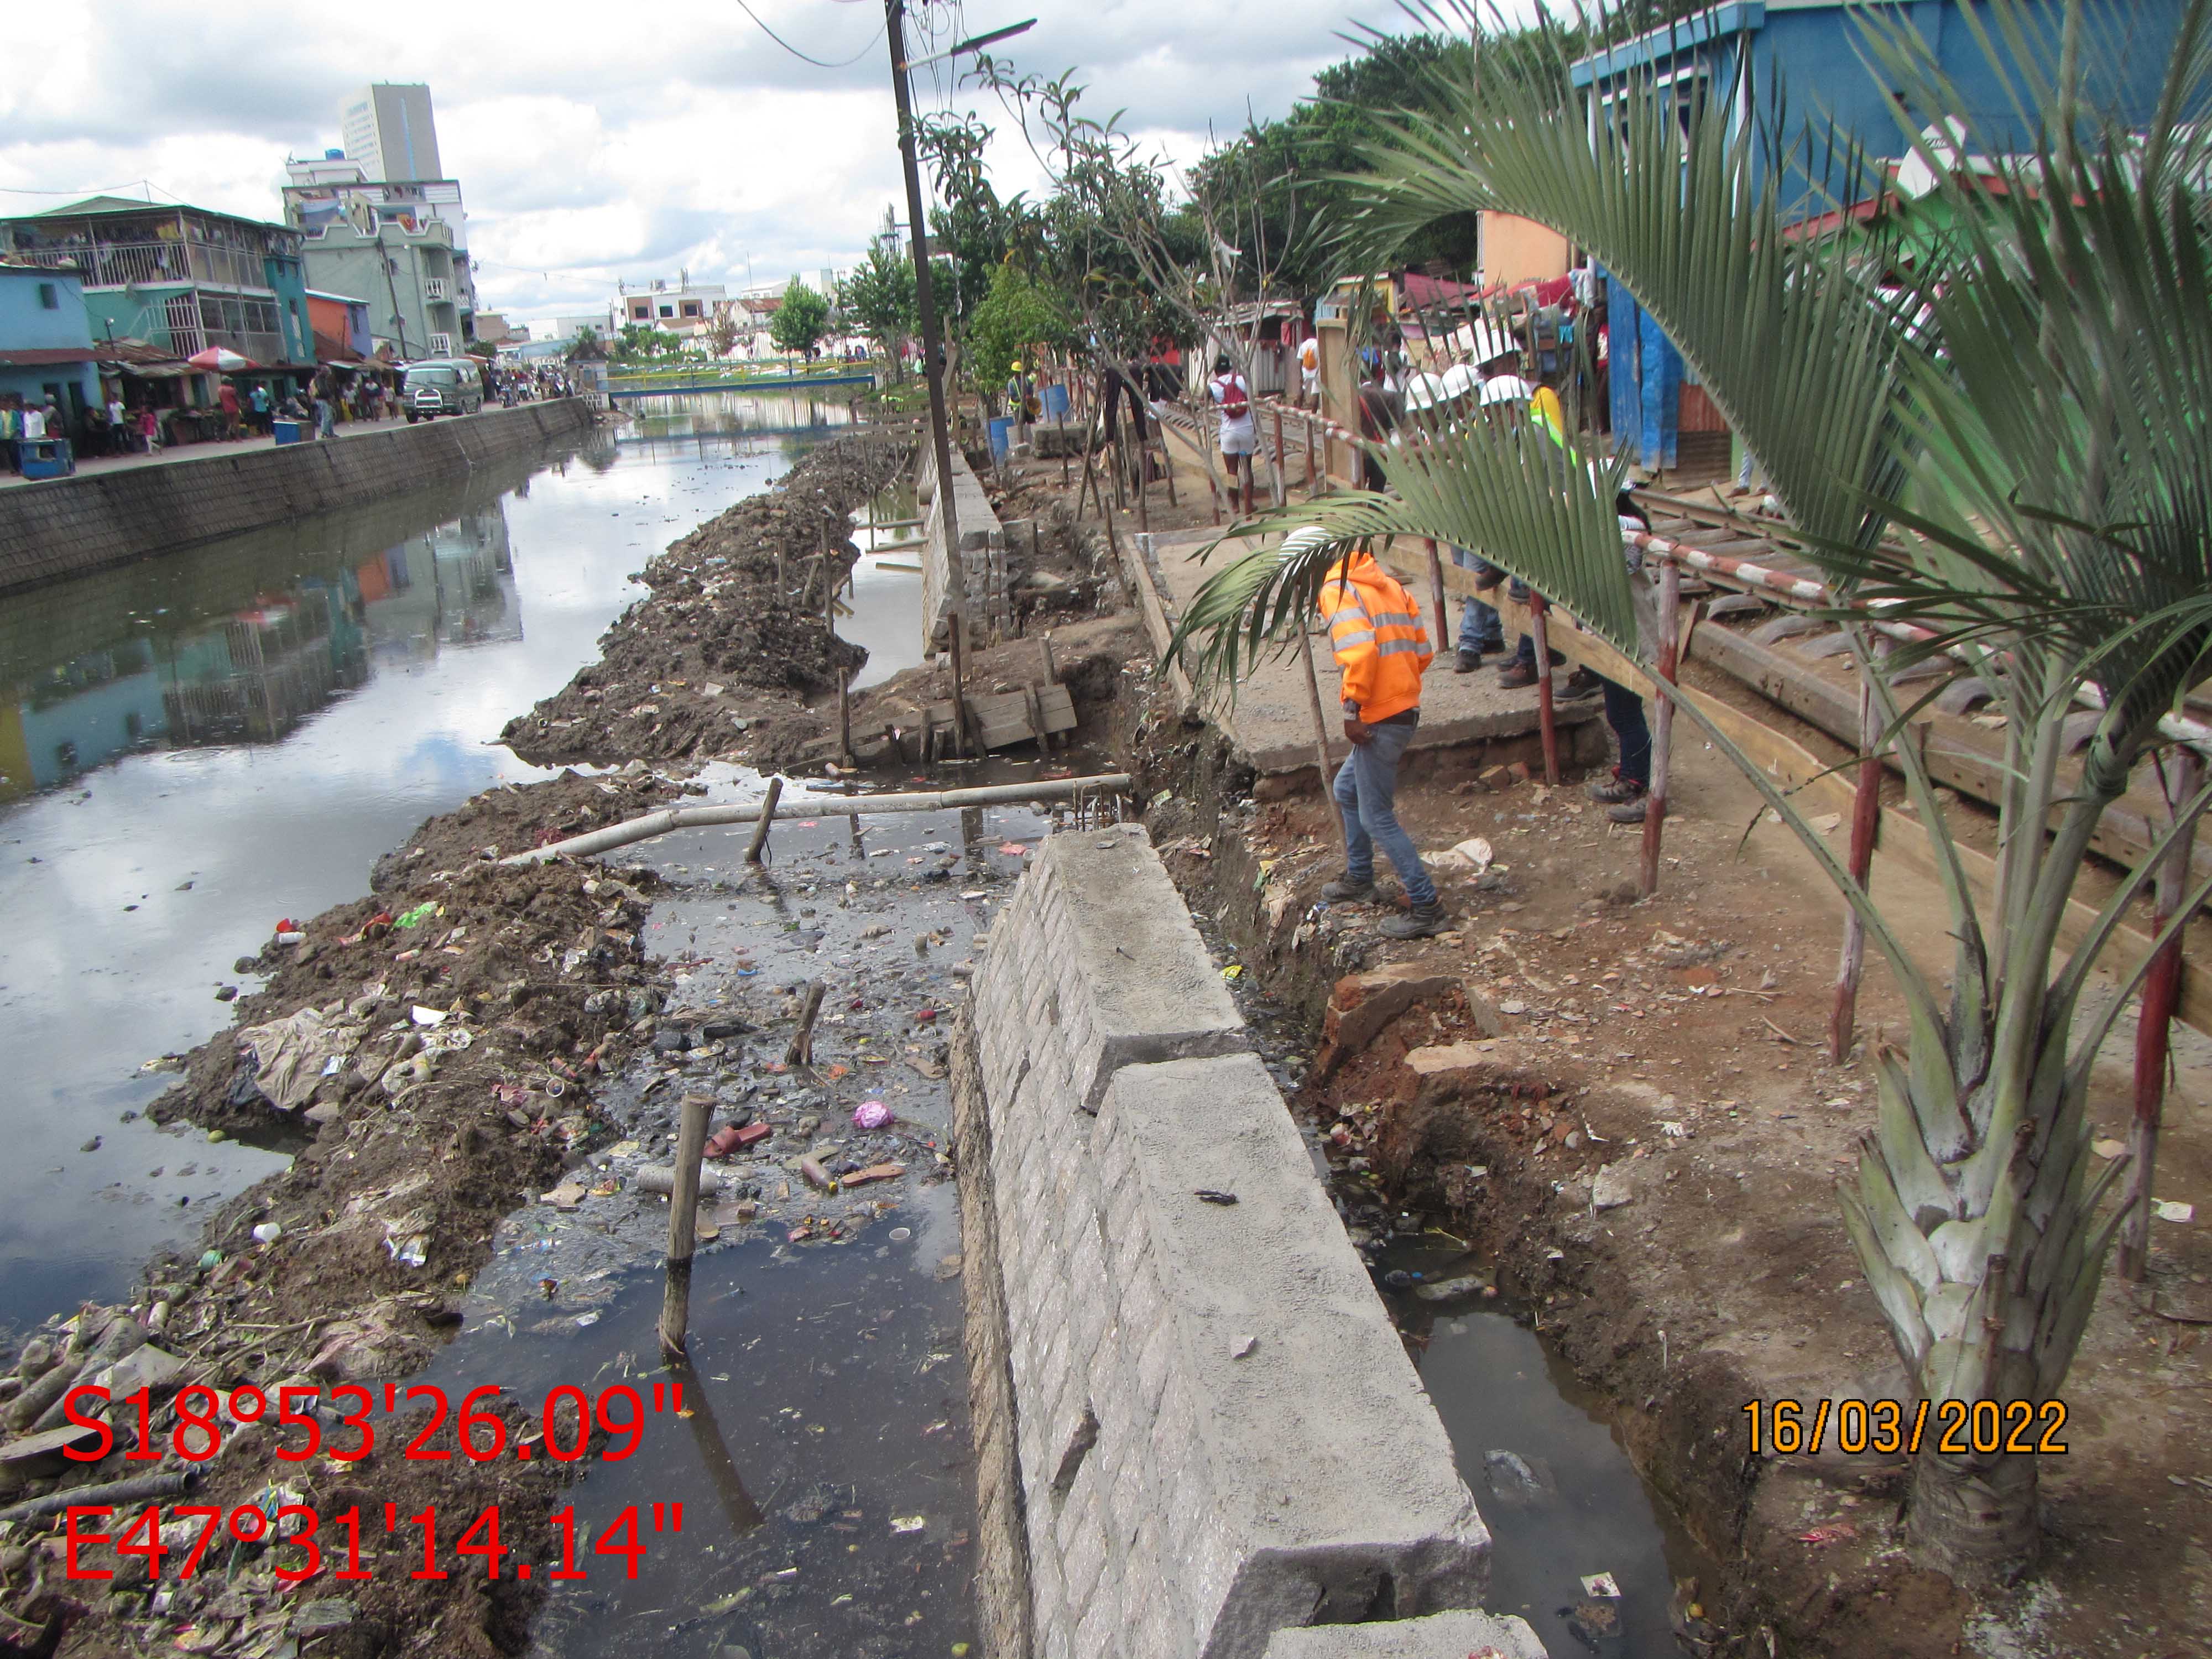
x=1375 y=630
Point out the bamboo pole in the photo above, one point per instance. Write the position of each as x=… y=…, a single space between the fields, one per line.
x=758 y=845
x=1663 y=723
x=1547 y=723
x=1321 y=746
x=669 y=819
x=1866 y=817
x=683 y=1224
x=2184 y=776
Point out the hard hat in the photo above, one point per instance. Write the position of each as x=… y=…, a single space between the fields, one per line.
x=1458 y=380
x=1505 y=389
x=1308 y=537
x=1423 y=392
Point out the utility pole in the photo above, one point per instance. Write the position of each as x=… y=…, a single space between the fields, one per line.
x=933 y=367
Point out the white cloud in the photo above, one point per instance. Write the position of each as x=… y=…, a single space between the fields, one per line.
x=593 y=143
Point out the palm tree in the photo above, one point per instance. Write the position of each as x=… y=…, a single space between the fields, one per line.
x=2011 y=451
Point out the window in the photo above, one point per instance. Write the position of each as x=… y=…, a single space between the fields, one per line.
x=50 y=296
x=641 y=311
x=691 y=307
x=668 y=311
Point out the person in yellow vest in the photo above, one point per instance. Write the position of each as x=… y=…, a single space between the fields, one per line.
x=1375 y=631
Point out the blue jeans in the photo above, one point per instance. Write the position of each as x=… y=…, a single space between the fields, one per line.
x=1624 y=712
x=1366 y=792
x=1480 y=628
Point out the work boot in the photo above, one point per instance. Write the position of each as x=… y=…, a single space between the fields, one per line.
x=1515 y=676
x=1629 y=811
x=1615 y=788
x=1422 y=921
x=1347 y=890
x=1465 y=661
x=1581 y=683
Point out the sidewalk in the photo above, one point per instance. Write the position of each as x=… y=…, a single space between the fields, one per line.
x=87 y=465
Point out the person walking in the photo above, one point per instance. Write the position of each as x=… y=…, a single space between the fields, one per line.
x=227 y=398
x=1376 y=633
x=1240 y=432
x=119 y=424
x=149 y=429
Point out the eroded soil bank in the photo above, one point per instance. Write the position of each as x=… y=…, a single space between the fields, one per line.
x=1623 y=1108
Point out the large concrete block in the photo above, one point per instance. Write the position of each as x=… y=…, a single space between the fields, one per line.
x=1463 y=1635
x=1331 y=1480
x=1133 y=981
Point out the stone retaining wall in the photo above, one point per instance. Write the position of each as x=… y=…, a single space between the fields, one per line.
x=1198 y=1428
x=66 y=526
x=982 y=551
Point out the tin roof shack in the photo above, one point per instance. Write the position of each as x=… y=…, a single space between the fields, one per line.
x=181 y=278
x=45 y=338
x=341 y=325
x=1753 y=55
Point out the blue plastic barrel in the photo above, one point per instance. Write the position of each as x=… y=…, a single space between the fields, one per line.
x=1002 y=437
x=290 y=432
x=1055 y=402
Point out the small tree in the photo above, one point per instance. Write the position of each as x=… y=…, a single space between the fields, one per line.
x=1017 y=315
x=879 y=300
x=798 y=322
x=721 y=334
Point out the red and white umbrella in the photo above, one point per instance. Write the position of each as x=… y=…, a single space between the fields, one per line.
x=220 y=359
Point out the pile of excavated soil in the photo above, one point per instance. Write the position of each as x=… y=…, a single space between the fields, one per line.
x=438 y=1042
x=730 y=632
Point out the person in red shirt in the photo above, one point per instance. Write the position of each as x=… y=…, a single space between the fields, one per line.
x=226 y=397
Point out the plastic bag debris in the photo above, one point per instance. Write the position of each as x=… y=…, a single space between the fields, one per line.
x=870 y=1114
x=290 y=1054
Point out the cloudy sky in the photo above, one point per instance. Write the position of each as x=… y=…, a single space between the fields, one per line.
x=597 y=142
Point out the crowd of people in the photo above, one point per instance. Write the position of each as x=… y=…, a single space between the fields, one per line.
x=1374 y=626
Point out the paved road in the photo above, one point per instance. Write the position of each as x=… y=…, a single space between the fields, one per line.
x=88 y=465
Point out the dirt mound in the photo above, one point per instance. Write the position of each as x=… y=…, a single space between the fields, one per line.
x=732 y=632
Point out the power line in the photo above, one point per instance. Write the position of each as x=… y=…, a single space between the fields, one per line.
x=803 y=57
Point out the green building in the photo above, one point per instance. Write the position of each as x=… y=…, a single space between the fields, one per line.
x=181 y=278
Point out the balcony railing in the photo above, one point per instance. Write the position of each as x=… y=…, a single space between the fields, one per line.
x=434 y=288
x=190 y=339
x=111 y=265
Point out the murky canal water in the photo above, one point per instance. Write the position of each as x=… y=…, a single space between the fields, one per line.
x=195 y=746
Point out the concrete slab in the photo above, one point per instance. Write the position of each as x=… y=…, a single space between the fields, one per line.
x=1271 y=720
x=1444 y=1636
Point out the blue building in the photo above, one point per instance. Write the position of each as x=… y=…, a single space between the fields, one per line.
x=46 y=339
x=1783 y=64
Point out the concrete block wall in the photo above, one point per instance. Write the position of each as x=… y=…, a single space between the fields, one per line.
x=65 y=527
x=1216 y=1433
x=982 y=552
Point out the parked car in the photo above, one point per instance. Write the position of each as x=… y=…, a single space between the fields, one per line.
x=441 y=386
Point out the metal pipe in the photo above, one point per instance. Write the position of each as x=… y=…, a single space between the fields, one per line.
x=1662 y=722
x=671 y=818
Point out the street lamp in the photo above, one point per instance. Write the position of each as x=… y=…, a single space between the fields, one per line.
x=956 y=574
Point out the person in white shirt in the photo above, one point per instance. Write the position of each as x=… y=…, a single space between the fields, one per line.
x=119 y=429
x=1309 y=372
x=1240 y=432
x=34 y=423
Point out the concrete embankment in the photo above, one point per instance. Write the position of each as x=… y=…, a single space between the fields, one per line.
x=68 y=526
x=982 y=551
x=1197 y=1428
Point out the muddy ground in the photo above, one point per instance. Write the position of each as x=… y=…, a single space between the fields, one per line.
x=1642 y=1134
x=729 y=658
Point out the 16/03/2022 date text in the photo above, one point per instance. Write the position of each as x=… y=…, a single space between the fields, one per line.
x=1784 y=1428
x=186 y=1530
x=297 y=1413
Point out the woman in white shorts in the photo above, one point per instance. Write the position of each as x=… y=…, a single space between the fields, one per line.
x=1240 y=432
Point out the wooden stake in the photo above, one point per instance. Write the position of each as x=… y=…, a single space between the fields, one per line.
x=801 y=1052
x=1167 y=461
x=1280 y=489
x=844 y=702
x=683 y=1223
x=1311 y=460
x=759 y=842
x=1546 y=721
x=1437 y=594
x=1321 y=746
x=1866 y=815
x=2161 y=993
x=1663 y=721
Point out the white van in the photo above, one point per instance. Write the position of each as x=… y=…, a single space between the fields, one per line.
x=441 y=386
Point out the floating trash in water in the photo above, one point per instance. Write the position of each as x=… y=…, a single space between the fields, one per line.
x=1601 y=1583
x=900 y=1235
x=908 y=1522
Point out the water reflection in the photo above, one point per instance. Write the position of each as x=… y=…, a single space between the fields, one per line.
x=255 y=672
x=193 y=746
